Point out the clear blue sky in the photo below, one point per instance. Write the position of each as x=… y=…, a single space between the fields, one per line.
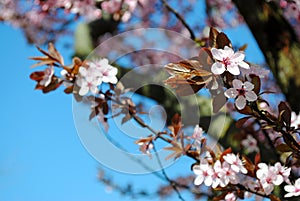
x=41 y=156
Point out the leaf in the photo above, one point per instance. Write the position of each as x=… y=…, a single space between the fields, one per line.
x=213 y=33
x=51 y=57
x=249 y=166
x=243 y=48
x=37 y=76
x=177 y=152
x=274 y=198
x=257 y=158
x=69 y=89
x=255 y=80
x=285 y=113
x=241 y=122
x=283 y=148
x=222 y=41
x=218 y=102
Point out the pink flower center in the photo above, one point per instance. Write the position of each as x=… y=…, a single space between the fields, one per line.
x=226 y=61
x=297 y=190
x=269 y=180
x=241 y=91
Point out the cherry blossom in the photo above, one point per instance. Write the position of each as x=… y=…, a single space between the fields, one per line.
x=230 y=197
x=269 y=176
x=146 y=147
x=105 y=70
x=250 y=144
x=236 y=164
x=227 y=175
x=48 y=74
x=282 y=171
x=87 y=82
x=293 y=190
x=242 y=92
x=295 y=120
x=204 y=173
x=226 y=59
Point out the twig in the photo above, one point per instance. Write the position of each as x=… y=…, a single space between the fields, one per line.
x=180 y=18
x=172 y=183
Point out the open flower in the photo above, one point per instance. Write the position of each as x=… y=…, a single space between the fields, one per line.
x=226 y=59
x=48 y=74
x=242 y=92
x=235 y=162
x=293 y=190
x=204 y=173
x=268 y=177
x=250 y=144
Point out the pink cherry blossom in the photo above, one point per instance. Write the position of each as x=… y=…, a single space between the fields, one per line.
x=293 y=190
x=87 y=81
x=236 y=164
x=226 y=59
x=250 y=144
x=48 y=74
x=230 y=197
x=282 y=171
x=204 y=173
x=268 y=177
x=242 y=92
x=105 y=70
x=295 y=120
x=227 y=175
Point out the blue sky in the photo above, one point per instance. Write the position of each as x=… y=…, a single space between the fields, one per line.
x=41 y=155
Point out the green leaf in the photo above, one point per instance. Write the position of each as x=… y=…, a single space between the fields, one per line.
x=83 y=41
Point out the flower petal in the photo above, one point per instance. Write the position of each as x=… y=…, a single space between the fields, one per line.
x=231 y=93
x=217 y=54
x=248 y=86
x=237 y=84
x=240 y=102
x=238 y=57
x=228 y=52
x=251 y=96
x=198 y=180
x=243 y=64
x=233 y=69
x=217 y=68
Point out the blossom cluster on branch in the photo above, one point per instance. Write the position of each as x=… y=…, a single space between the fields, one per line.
x=218 y=69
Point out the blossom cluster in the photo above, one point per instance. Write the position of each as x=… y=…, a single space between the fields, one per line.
x=219 y=173
x=91 y=77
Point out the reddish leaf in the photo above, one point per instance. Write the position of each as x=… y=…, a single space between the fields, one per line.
x=274 y=198
x=285 y=113
x=249 y=166
x=240 y=122
x=69 y=89
x=256 y=82
x=283 y=148
x=246 y=110
x=257 y=158
x=37 y=76
x=213 y=33
x=222 y=41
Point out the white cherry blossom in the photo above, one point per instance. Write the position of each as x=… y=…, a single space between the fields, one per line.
x=226 y=59
x=204 y=173
x=242 y=92
x=268 y=177
x=236 y=164
x=293 y=190
x=250 y=144
x=227 y=175
x=48 y=74
x=295 y=120
x=230 y=197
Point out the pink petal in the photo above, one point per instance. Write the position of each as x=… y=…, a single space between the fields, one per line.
x=237 y=84
x=231 y=93
x=233 y=69
x=228 y=52
x=240 y=102
x=244 y=65
x=289 y=188
x=197 y=170
x=251 y=96
x=248 y=86
x=83 y=90
x=198 y=180
x=217 y=54
x=217 y=68
x=238 y=57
